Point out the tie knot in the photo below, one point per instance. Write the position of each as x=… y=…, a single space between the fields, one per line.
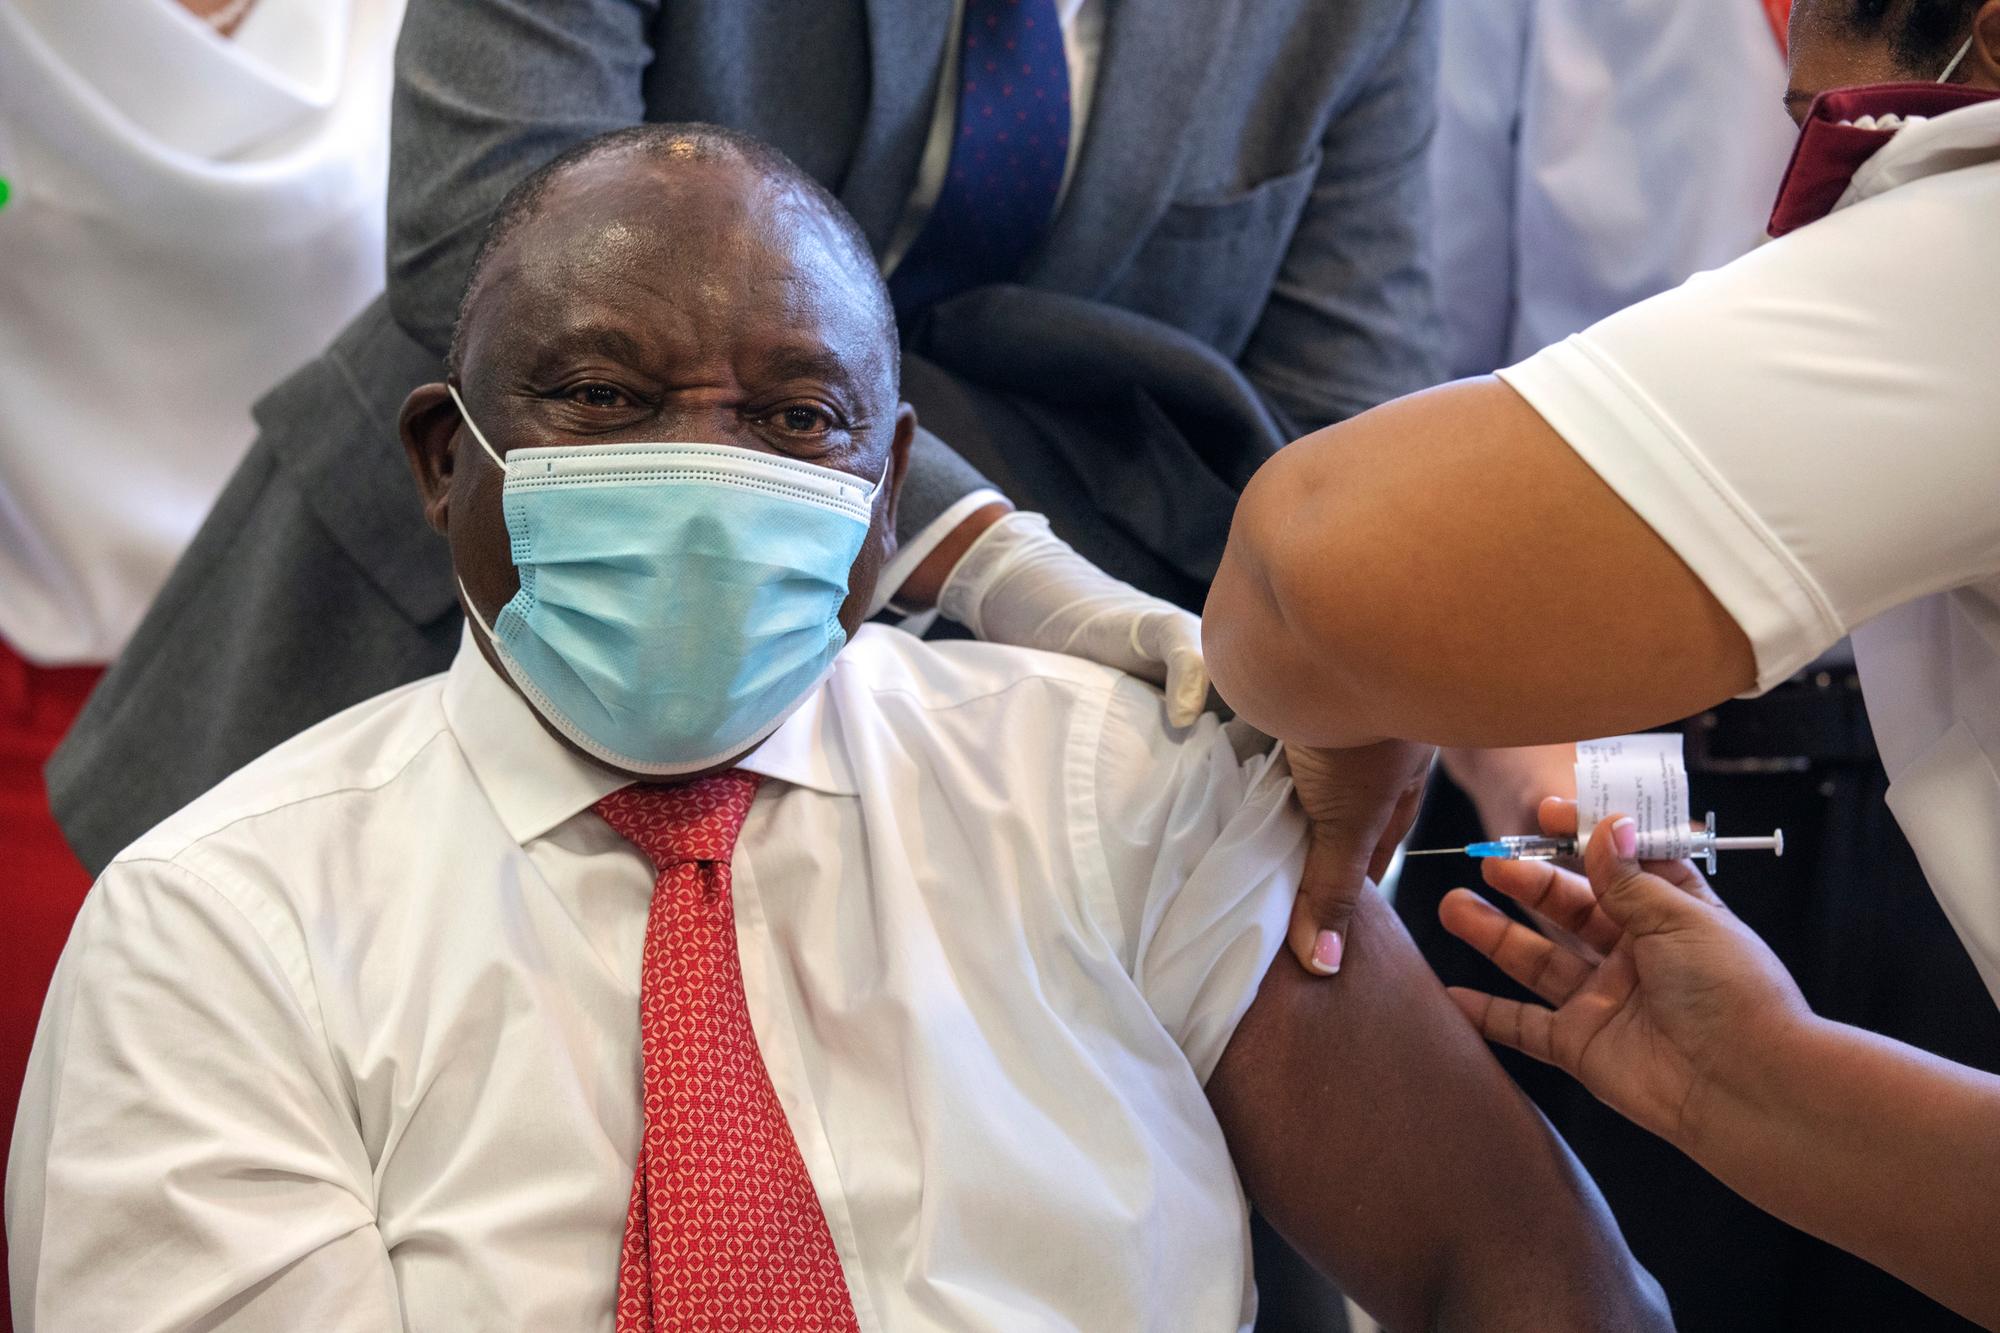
x=695 y=821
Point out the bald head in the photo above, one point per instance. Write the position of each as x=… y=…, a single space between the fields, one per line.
x=677 y=153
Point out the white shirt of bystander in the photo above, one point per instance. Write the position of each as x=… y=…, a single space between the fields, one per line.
x=1593 y=154
x=190 y=218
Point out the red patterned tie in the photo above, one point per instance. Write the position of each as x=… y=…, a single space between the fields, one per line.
x=724 y=1231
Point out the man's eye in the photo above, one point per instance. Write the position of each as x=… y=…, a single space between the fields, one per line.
x=596 y=395
x=802 y=419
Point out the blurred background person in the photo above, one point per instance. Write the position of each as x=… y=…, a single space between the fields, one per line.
x=1589 y=156
x=190 y=204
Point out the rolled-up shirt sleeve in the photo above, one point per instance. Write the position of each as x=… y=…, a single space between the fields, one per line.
x=185 y=1154
x=1810 y=428
x=1203 y=847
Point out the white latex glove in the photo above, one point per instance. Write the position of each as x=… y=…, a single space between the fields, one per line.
x=1021 y=584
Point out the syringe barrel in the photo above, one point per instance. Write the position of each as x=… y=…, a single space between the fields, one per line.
x=1532 y=848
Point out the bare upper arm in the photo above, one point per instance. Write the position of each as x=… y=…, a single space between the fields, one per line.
x=1376 y=1132
x=1445 y=568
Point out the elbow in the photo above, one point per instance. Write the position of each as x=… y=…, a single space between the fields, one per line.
x=1274 y=653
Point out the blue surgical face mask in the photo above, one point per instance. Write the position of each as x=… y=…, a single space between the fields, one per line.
x=677 y=601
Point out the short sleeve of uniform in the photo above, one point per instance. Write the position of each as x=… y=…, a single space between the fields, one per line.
x=1202 y=847
x=1811 y=428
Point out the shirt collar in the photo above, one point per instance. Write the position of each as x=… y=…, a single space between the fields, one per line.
x=1969 y=136
x=536 y=783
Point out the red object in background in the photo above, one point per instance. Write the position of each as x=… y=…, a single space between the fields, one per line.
x=41 y=882
x=1780 y=14
x=1832 y=149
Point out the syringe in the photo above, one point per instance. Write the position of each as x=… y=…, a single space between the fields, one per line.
x=1704 y=844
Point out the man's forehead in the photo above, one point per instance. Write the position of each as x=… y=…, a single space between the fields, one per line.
x=607 y=212
x=709 y=232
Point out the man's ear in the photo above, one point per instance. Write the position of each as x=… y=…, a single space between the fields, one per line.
x=899 y=451
x=1985 y=57
x=892 y=486
x=429 y=428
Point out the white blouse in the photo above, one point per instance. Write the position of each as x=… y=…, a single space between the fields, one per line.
x=191 y=218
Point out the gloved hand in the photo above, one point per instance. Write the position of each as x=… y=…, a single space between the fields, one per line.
x=1021 y=584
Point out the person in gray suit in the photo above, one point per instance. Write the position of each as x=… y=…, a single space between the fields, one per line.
x=1231 y=259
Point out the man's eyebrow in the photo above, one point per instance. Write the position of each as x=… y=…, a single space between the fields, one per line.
x=604 y=339
x=809 y=363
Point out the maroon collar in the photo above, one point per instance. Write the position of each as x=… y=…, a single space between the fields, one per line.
x=1832 y=148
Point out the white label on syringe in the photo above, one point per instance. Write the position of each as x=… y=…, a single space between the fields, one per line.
x=1640 y=776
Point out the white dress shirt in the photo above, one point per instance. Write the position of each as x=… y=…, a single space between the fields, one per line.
x=352 y=1042
x=191 y=219
x=1591 y=154
x=1813 y=430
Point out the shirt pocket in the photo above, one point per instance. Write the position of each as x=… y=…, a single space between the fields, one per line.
x=1208 y=264
x=1948 y=802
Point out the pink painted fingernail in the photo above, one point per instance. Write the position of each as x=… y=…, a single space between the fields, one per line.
x=1625 y=837
x=1327 y=949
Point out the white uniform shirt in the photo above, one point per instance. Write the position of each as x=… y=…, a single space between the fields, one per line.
x=1590 y=154
x=352 y=1042
x=1815 y=430
x=191 y=219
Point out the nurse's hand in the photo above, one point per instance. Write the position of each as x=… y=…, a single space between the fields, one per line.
x=1660 y=995
x=1508 y=786
x=1361 y=802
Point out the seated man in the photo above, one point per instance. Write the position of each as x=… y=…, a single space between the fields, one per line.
x=672 y=961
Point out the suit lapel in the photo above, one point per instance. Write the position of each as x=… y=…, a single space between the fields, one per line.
x=906 y=40
x=1151 y=78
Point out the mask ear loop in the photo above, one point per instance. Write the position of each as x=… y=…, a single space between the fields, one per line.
x=473 y=611
x=888 y=466
x=1957 y=60
x=473 y=426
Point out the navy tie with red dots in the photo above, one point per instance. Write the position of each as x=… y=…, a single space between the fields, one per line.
x=1009 y=145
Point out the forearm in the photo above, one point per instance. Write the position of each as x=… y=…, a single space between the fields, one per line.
x=918 y=589
x=1873 y=1146
x=1428 y=571
x=487 y=91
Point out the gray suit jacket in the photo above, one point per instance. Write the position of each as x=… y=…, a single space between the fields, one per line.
x=1238 y=261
